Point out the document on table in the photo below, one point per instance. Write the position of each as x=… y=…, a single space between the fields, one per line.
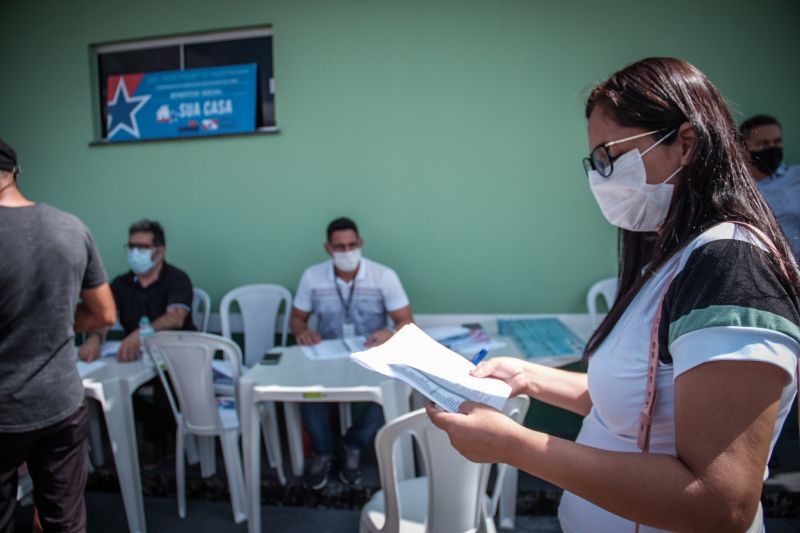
x=467 y=342
x=542 y=337
x=334 y=348
x=436 y=371
x=221 y=372
x=84 y=368
x=110 y=348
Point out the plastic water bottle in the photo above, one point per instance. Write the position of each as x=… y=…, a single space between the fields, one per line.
x=145 y=328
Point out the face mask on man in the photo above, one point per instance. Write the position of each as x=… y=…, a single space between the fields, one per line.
x=347 y=261
x=767 y=160
x=626 y=199
x=140 y=260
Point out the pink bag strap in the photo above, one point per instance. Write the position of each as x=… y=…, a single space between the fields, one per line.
x=646 y=414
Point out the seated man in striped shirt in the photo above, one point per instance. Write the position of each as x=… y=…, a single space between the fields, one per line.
x=350 y=296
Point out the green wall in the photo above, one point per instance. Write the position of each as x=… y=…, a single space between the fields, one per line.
x=452 y=132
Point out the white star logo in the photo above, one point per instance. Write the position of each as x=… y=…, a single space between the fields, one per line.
x=140 y=101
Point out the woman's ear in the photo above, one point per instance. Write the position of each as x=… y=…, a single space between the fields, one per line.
x=687 y=140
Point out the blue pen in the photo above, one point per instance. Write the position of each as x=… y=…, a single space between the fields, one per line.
x=478 y=358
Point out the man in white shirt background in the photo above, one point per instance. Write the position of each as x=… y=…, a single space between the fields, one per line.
x=778 y=182
x=350 y=296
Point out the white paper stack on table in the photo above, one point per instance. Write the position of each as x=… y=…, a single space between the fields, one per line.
x=436 y=371
x=466 y=341
x=334 y=348
x=108 y=349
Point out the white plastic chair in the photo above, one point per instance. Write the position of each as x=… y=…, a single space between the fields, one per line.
x=198 y=411
x=451 y=498
x=201 y=309
x=605 y=288
x=259 y=305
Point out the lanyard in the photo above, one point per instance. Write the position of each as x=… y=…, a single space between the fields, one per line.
x=345 y=305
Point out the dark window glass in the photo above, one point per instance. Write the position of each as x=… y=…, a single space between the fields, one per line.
x=252 y=50
x=132 y=62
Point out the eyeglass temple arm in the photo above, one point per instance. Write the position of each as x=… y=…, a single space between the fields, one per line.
x=639 y=136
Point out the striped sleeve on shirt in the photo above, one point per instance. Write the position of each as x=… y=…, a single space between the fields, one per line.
x=726 y=283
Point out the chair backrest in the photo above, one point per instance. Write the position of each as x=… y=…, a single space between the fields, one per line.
x=607 y=288
x=456 y=486
x=259 y=306
x=201 y=309
x=188 y=357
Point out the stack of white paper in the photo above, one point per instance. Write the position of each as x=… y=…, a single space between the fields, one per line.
x=439 y=373
x=334 y=348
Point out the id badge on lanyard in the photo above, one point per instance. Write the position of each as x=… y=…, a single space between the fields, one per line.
x=348 y=330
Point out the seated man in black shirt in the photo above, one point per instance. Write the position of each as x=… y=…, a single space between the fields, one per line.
x=152 y=288
x=163 y=293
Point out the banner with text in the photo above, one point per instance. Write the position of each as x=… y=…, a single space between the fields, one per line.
x=182 y=103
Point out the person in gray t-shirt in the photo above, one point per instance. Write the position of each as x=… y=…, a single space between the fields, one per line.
x=52 y=282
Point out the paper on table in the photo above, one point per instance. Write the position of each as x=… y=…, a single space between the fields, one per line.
x=355 y=344
x=433 y=369
x=222 y=366
x=334 y=348
x=470 y=346
x=465 y=341
x=84 y=368
x=221 y=372
x=110 y=348
x=442 y=333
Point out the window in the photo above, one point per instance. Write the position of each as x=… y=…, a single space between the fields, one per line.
x=236 y=47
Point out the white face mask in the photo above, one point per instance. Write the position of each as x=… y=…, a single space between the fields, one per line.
x=626 y=199
x=347 y=261
x=141 y=260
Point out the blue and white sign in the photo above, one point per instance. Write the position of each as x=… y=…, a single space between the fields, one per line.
x=182 y=103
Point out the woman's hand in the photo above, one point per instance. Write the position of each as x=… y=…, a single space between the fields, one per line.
x=478 y=432
x=515 y=372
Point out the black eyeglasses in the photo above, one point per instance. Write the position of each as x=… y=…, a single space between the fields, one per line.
x=136 y=246
x=601 y=160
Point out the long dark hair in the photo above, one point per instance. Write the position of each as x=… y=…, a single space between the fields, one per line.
x=661 y=93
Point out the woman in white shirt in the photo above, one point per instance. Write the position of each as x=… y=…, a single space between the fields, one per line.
x=702 y=258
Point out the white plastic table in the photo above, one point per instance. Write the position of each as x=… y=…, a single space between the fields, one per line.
x=112 y=386
x=298 y=379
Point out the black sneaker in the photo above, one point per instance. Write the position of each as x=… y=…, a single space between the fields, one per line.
x=350 y=472
x=318 y=468
x=151 y=455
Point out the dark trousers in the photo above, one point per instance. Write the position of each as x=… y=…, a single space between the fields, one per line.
x=155 y=414
x=316 y=419
x=57 y=458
